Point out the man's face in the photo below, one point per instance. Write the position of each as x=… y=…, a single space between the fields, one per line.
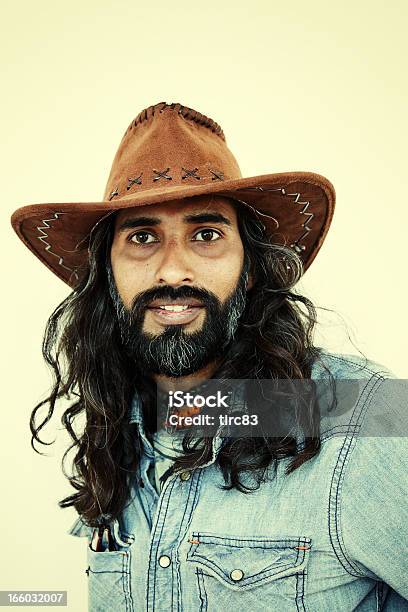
x=179 y=284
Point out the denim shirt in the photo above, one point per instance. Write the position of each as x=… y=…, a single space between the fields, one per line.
x=167 y=448
x=332 y=535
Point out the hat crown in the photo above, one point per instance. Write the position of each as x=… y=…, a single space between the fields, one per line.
x=169 y=146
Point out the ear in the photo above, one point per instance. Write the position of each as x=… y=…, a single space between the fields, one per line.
x=250 y=281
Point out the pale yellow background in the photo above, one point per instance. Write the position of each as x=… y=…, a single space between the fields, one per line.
x=314 y=85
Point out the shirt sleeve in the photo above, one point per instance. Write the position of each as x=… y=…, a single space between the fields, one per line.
x=373 y=508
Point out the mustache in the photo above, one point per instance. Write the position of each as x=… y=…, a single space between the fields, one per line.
x=168 y=293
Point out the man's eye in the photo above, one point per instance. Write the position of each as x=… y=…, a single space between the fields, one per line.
x=206 y=233
x=142 y=238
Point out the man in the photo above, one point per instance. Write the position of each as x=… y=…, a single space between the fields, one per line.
x=183 y=282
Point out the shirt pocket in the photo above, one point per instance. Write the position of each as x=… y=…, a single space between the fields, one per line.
x=249 y=573
x=109 y=575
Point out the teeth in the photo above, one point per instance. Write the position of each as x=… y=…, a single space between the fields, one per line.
x=174 y=308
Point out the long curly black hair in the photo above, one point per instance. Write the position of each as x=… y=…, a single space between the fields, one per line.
x=82 y=345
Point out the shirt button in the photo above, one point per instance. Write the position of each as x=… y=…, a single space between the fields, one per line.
x=185 y=475
x=237 y=574
x=164 y=561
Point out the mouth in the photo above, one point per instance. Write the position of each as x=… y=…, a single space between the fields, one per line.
x=180 y=311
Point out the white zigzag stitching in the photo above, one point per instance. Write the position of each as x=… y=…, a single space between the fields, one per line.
x=41 y=229
x=301 y=247
x=298 y=247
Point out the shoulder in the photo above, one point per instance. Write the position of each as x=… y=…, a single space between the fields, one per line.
x=348 y=366
x=349 y=388
x=371 y=479
x=368 y=509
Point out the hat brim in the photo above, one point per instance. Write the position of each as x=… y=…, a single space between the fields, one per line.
x=296 y=208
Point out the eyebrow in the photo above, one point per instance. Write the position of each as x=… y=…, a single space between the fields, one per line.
x=214 y=217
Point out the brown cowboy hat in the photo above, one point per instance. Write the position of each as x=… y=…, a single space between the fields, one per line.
x=170 y=152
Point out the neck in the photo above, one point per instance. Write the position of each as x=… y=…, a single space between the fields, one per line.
x=184 y=383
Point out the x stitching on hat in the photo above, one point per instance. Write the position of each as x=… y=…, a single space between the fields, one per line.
x=134 y=181
x=113 y=193
x=162 y=174
x=217 y=175
x=192 y=173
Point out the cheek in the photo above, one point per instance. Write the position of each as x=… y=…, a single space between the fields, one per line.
x=130 y=279
x=221 y=277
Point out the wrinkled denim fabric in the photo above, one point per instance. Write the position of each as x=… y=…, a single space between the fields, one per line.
x=330 y=536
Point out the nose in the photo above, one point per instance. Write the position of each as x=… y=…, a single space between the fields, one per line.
x=175 y=265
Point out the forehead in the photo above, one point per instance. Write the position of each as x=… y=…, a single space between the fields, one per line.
x=177 y=209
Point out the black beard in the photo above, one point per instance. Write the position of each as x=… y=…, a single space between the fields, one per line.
x=174 y=352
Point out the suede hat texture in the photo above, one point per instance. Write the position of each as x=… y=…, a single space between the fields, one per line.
x=170 y=152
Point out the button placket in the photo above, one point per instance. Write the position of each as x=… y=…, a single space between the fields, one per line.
x=156 y=586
